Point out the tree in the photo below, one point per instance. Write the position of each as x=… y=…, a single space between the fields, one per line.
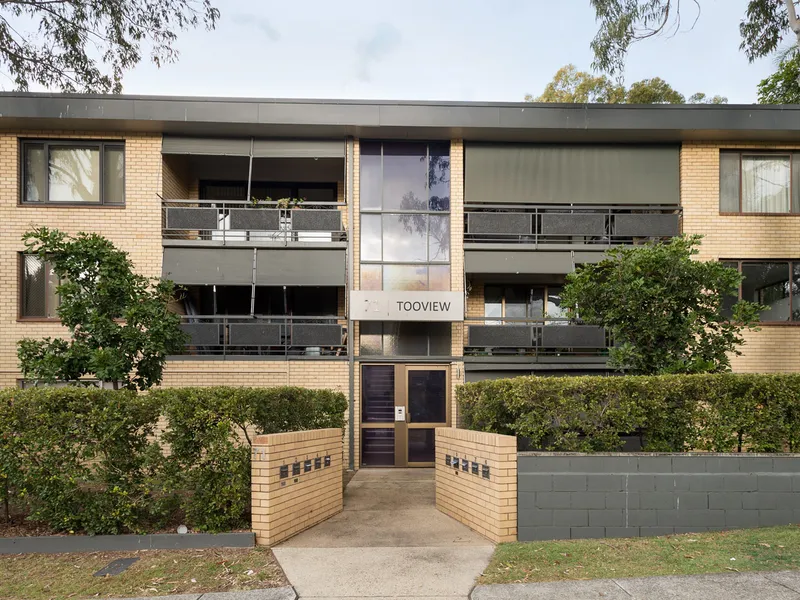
x=122 y=330
x=783 y=86
x=86 y=46
x=572 y=86
x=666 y=312
x=625 y=22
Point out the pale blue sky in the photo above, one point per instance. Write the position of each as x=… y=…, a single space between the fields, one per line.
x=493 y=50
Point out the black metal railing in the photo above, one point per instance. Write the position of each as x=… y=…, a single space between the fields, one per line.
x=258 y=222
x=265 y=335
x=543 y=224
x=489 y=336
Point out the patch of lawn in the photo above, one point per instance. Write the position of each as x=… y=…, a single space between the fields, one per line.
x=767 y=549
x=156 y=573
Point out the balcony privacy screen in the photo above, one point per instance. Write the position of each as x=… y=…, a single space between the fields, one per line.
x=543 y=174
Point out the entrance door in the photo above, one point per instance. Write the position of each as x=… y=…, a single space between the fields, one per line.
x=401 y=405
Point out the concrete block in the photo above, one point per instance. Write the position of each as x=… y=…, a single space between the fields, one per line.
x=606 y=483
x=786 y=464
x=769 y=518
x=787 y=501
x=775 y=483
x=659 y=500
x=755 y=464
x=655 y=531
x=741 y=518
x=606 y=518
x=543 y=464
x=570 y=518
x=641 y=518
x=700 y=529
x=619 y=464
x=622 y=500
x=641 y=483
x=587 y=500
x=722 y=464
x=689 y=464
x=586 y=464
x=569 y=483
x=655 y=464
x=760 y=500
x=700 y=518
x=740 y=483
x=535 y=482
x=552 y=499
x=796 y=483
x=725 y=500
x=535 y=517
x=667 y=518
x=582 y=533
x=672 y=483
x=706 y=483
x=622 y=532
x=532 y=534
x=691 y=501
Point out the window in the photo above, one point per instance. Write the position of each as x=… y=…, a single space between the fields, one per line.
x=776 y=284
x=759 y=183
x=73 y=172
x=406 y=338
x=38 y=297
x=522 y=302
x=405 y=220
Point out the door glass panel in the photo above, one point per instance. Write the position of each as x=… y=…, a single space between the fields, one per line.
x=377 y=394
x=421 y=445
x=377 y=447
x=427 y=396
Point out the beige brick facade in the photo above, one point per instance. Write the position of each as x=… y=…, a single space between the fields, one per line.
x=488 y=506
x=283 y=506
x=774 y=348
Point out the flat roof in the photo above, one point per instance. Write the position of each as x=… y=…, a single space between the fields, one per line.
x=472 y=121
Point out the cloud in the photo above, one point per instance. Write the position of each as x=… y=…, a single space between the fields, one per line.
x=251 y=20
x=384 y=40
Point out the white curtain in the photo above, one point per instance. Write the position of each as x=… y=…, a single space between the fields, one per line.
x=766 y=184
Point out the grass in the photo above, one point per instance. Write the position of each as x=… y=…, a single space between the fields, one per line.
x=156 y=573
x=767 y=549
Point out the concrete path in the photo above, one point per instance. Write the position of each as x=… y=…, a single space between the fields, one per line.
x=783 y=585
x=389 y=542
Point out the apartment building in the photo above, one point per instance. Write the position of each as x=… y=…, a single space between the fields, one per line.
x=392 y=250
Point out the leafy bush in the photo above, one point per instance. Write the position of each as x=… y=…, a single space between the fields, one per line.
x=85 y=459
x=672 y=413
x=209 y=435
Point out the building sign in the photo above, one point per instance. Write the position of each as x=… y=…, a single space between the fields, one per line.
x=407 y=306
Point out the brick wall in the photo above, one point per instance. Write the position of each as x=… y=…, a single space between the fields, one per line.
x=308 y=492
x=330 y=374
x=564 y=496
x=135 y=228
x=486 y=505
x=775 y=347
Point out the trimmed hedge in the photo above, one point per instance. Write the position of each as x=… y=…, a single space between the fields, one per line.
x=673 y=413
x=86 y=459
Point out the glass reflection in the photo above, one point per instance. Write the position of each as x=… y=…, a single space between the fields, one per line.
x=439 y=278
x=371 y=277
x=405 y=277
x=439 y=177
x=371 y=237
x=404 y=175
x=768 y=283
x=74 y=175
x=370 y=181
x=404 y=237
x=439 y=238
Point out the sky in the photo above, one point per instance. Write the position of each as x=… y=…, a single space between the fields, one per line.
x=477 y=50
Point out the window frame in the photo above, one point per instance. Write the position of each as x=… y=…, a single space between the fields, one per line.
x=790 y=265
x=99 y=145
x=21 y=293
x=790 y=153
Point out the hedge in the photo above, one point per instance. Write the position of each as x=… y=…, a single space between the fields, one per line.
x=86 y=459
x=672 y=413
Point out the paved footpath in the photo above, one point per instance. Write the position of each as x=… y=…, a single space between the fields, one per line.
x=782 y=585
x=389 y=542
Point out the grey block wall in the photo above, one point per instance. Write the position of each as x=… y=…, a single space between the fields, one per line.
x=563 y=496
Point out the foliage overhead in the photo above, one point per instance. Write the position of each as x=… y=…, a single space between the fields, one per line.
x=665 y=310
x=122 y=329
x=625 y=22
x=783 y=86
x=87 y=46
x=580 y=87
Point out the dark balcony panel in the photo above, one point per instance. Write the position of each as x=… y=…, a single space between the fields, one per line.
x=318 y=267
x=499 y=223
x=255 y=219
x=647 y=225
x=202 y=334
x=316 y=220
x=573 y=224
x=192 y=218
x=573 y=336
x=307 y=334
x=254 y=334
x=507 y=336
x=199 y=266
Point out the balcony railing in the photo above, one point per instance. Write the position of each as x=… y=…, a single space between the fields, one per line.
x=268 y=335
x=533 y=337
x=550 y=225
x=262 y=222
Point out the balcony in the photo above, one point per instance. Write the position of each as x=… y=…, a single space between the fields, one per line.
x=241 y=223
x=231 y=338
x=534 y=340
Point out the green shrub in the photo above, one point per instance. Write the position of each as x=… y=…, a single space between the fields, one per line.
x=77 y=457
x=672 y=413
x=209 y=434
